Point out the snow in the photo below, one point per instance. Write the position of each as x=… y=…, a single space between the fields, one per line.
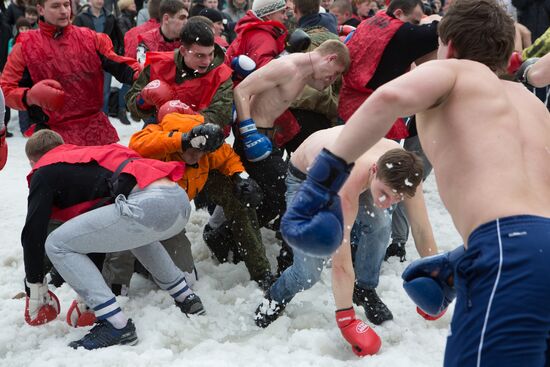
x=306 y=334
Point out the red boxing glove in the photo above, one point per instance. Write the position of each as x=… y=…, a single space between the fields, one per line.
x=344 y=30
x=41 y=305
x=47 y=94
x=155 y=94
x=428 y=316
x=514 y=63
x=174 y=106
x=79 y=314
x=364 y=341
x=3 y=147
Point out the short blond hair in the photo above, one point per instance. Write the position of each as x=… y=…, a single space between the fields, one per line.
x=335 y=47
x=41 y=142
x=124 y=4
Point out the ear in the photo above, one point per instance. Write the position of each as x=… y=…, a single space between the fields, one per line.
x=451 y=52
x=182 y=50
x=165 y=17
x=40 y=9
x=374 y=168
x=398 y=13
x=331 y=57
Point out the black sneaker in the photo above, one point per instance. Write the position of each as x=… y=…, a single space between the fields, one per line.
x=265 y=281
x=396 y=249
x=103 y=335
x=377 y=312
x=268 y=311
x=191 y=305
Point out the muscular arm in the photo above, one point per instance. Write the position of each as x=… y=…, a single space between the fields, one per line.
x=421 y=228
x=418 y=90
x=267 y=78
x=539 y=74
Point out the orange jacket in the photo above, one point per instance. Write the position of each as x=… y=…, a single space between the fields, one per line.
x=163 y=141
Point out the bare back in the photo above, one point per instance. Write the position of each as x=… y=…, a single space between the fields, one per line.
x=489 y=143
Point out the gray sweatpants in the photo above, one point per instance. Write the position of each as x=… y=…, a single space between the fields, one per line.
x=136 y=223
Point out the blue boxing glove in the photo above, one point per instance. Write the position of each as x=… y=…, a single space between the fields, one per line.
x=429 y=281
x=256 y=146
x=313 y=223
x=242 y=66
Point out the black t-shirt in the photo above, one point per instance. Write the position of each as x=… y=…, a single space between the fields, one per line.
x=409 y=43
x=61 y=185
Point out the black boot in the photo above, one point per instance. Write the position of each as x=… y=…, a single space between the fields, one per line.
x=219 y=241
x=377 y=312
x=285 y=258
x=396 y=249
x=122 y=116
x=268 y=311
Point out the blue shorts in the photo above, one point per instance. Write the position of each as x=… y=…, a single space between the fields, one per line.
x=502 y=313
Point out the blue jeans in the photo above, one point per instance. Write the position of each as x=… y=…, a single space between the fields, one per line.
x=306 y=270
x=106 y=91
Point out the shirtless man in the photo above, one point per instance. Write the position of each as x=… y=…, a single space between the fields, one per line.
x=488 y=140
x=266 y=93
x=383 y=176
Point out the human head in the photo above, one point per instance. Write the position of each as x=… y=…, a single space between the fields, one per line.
x=211 y=4
x=365 y=8
x=303 y=8
x=96 y=4
x=22 y=25
x=173 y=17
x=31 y=13
x=153 y=8
x=197 y=49
x=55 y=12
x=187 y=4
x=128 y=5
x=40 y=143
x=397 y=175
x=238 y=4
x=326 y=4
x=216 y=17
x=270 y=9
x=478 y=30
x=342 y=10
x=406 y=10
x=333 y=61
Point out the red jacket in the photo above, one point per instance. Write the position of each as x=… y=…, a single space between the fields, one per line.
x=366 y=48
x=131 y=37
x=155 y=41
x=74 y=57
x=146 y=171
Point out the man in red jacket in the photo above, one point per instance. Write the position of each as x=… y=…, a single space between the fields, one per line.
x=56 y=73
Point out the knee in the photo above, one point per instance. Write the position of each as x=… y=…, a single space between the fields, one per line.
x=53 y=246
x=308 y=273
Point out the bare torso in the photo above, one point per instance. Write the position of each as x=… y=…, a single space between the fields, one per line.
x=490 y=158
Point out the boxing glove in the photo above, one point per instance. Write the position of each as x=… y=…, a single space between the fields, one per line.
x=174 y=106
x=154 y=94
x=3 y=147
x=206 y=137
x=247 y=190
x=298 y=41
x=41 y=304
x=429 y=281
x=514 y=63
x=313 y=223
x=256 y=146
x=242 y=66
x=521 y=74
x=47 y=94
x=79 y=314
x=364 y=341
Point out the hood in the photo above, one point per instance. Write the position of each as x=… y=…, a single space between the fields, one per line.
x=251 y=22
x=326 y=20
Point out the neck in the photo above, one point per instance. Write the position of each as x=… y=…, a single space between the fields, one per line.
x=164 y=34
x=96 y=11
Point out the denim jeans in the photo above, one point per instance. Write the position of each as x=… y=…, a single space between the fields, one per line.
x=106 y=91
x=370 y=233
x=136 y=223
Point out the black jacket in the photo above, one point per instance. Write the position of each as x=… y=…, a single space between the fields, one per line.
x=84 y=19
x=126 y=21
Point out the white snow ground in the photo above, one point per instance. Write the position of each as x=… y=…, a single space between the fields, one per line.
x=306 y=335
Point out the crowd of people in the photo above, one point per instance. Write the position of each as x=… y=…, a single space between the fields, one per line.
x=339 y=109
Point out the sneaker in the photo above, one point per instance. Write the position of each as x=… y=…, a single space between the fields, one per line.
x=191 y=305
x=396 y=249
x=103 y=335
x=377 y=312
x=123 y=117
x=268 y=311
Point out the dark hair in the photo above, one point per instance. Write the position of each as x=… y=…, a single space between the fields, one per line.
x=401 y=170
x=406 y=5
x=31 y=10
x=170 y=7
x=480 y=30
x=198 y=29
x=307 y=7
x=153 y=8
x=22 y=22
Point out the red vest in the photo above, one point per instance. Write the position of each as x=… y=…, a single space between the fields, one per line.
x=366 y=48
x=154 y=41
x=110 y=157
x=71 y=58
x=196 y=92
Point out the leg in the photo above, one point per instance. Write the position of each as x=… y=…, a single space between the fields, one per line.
x=118 y=269
x=106 y=91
